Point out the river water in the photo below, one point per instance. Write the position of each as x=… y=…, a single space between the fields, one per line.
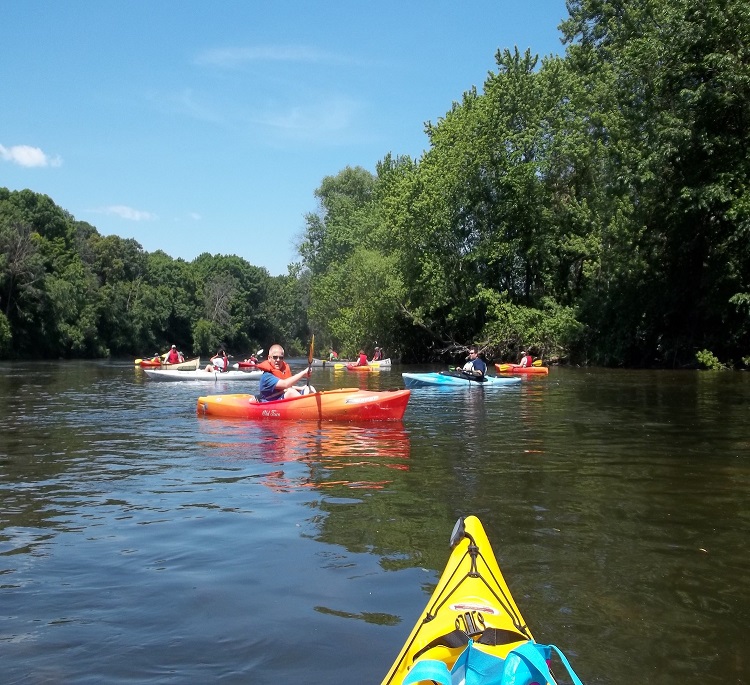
x=141 y=543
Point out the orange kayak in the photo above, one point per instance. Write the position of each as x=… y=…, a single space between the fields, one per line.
x=158 y=363
x=515 y=368
x=342 y=404
x=365 y=369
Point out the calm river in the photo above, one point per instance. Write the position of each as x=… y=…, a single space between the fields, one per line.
x=140 y=543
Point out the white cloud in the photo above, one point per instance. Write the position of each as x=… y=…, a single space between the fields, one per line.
x=125 y=212
x=25 y=155
x=314 y=121
x=234 y=57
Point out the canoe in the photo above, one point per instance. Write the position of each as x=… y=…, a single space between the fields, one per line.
x=472 y=600
x=202 y=375
x=187 y=365
x=456 y=379
x=515 y=368
x=330 y=364
x=244 y=365
x=342 y=404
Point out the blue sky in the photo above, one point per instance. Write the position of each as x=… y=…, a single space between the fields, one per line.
x=206 y=127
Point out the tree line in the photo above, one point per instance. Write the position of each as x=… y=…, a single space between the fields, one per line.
x=66 y=291
x=594 y=207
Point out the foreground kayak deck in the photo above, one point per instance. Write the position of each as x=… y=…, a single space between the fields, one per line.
x=468 y=592
x=202 y=375
x=473 y=601
x=343 y=404
x=453 y=380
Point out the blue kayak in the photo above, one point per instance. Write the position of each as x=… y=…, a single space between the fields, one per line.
x=454 y=379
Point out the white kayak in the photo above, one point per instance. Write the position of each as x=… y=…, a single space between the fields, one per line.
x=455 y=379
x=202 y=375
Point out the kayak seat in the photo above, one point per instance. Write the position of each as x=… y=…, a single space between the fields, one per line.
x=489 y=636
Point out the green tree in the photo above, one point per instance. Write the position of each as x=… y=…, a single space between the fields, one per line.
x=234 y=301
x=671 y=84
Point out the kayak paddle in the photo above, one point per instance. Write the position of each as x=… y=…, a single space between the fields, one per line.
x=460 y=373
x=310 y=358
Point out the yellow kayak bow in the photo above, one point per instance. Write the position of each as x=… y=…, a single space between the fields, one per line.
x=471 y=597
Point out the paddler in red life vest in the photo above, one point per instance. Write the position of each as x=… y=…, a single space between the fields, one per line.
x=173 y=356
x=362 y=361
x=526 y=359
x=277 y=380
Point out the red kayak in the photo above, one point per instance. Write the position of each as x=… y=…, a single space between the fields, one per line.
x=342 y=404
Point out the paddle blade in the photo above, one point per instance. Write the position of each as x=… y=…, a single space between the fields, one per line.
x=537 y=362
x=503 y=367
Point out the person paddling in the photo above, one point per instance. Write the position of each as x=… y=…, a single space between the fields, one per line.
x=475 y=366
x=277 y=381
x=173 y=356
x=219 y=362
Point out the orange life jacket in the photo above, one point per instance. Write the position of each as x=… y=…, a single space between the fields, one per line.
x=283 y=372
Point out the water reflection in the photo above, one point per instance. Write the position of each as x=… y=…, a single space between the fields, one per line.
x=617 y=503
x=357 y=456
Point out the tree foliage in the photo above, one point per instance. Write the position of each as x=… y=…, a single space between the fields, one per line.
x=593 y=206
x=67 y=291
